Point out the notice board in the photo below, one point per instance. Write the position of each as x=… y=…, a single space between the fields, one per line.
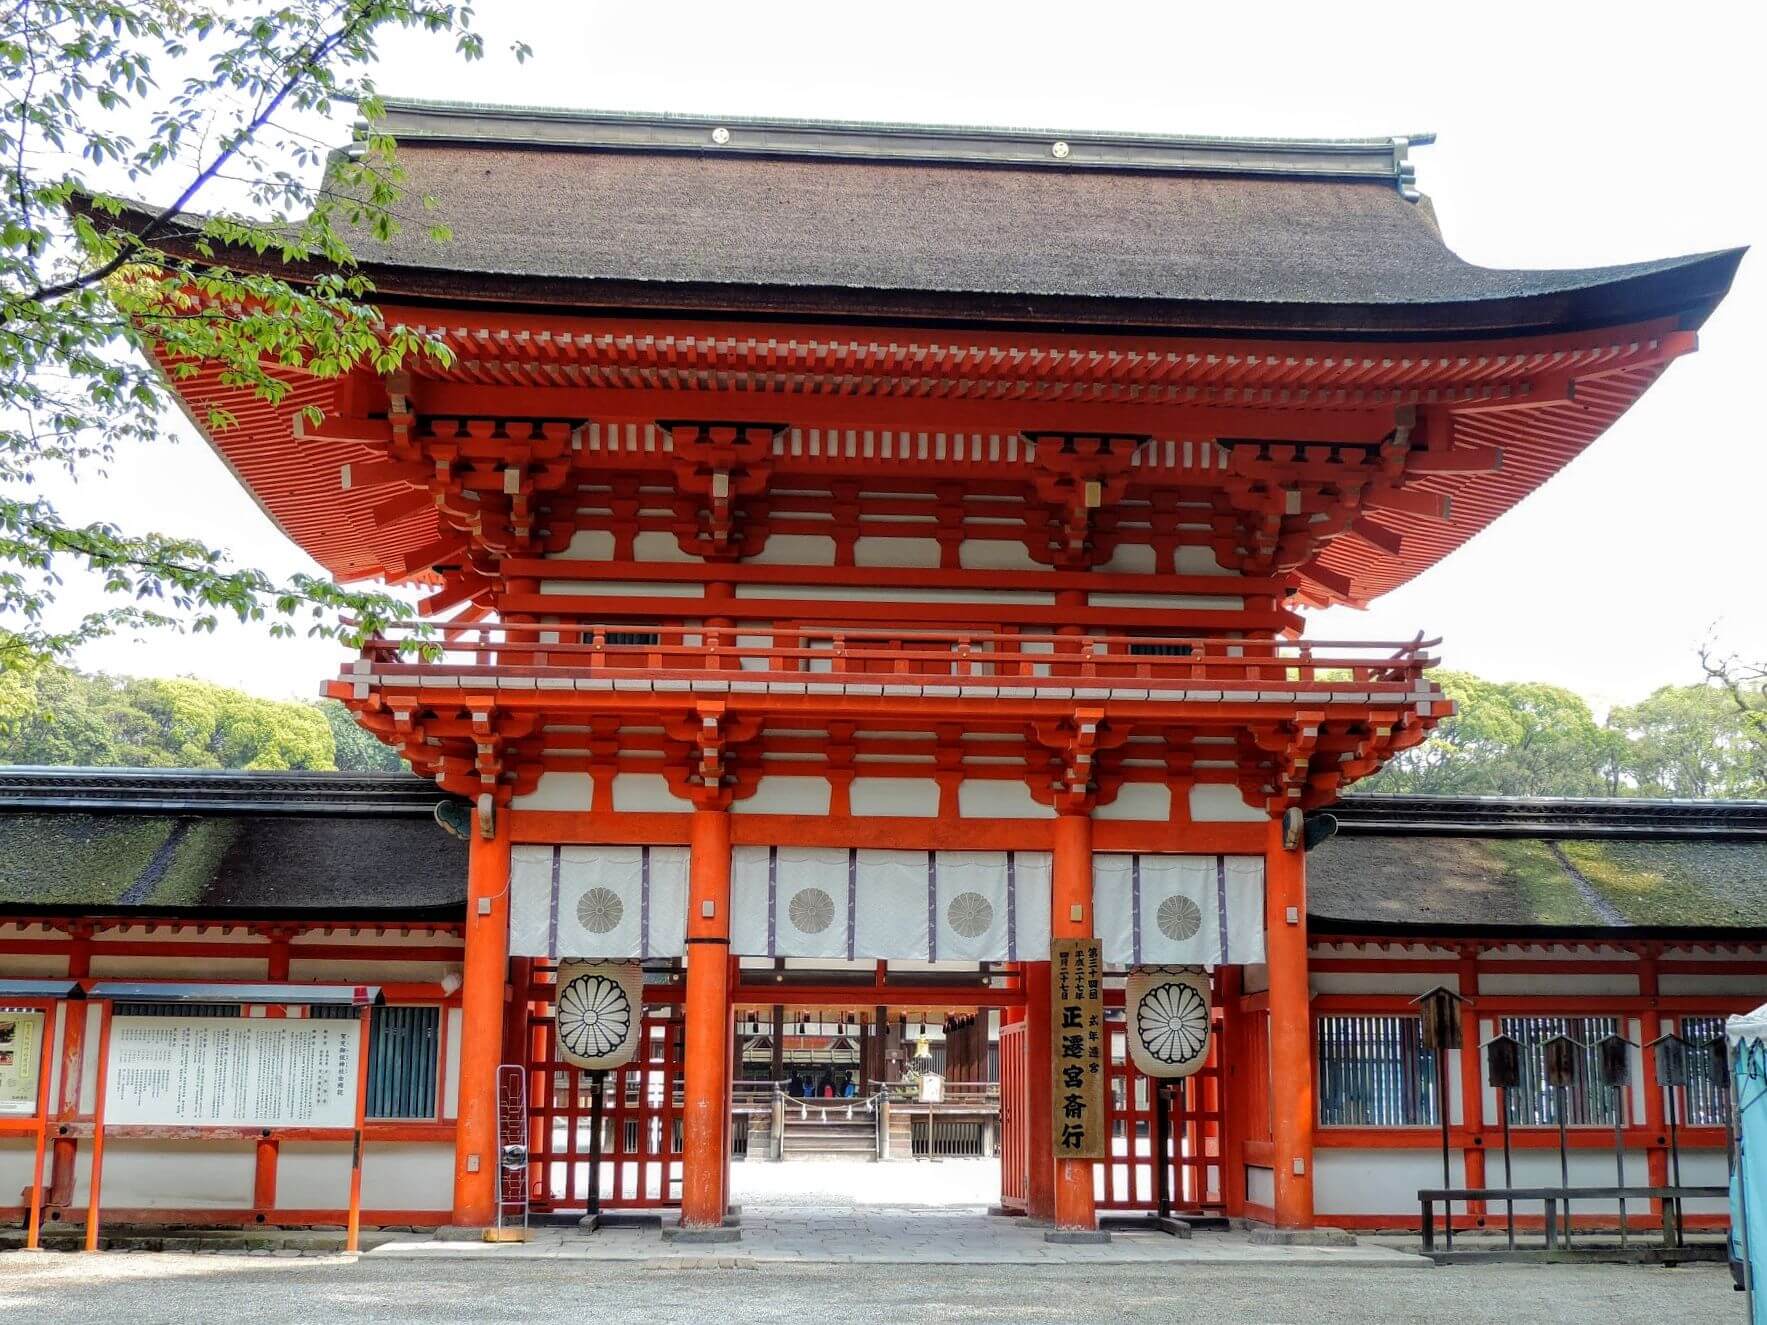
x=232 y=1072
x=1076 y=1010
x=21 y=1052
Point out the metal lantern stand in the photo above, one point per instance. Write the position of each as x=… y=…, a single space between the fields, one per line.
x=1503 y=1065
x=1441 y=1032
x=1561 y=1053
x=592 y=1218
x=1615 y=1060
x=1671 y=1053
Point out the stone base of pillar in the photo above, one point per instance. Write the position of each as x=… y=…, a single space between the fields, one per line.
x=1302 y=1237
x=693 y=1236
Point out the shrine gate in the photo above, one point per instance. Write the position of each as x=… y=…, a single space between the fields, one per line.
x=864 y=549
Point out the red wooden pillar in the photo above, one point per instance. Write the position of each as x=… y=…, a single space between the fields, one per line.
x=1070 y=898
x=63 y=1157
x=1233 y=1088
x=706 y=1101
x=1039 y=1099
x=484 y=974
x=1651 y=1025
x=1291 y=1030
x=1472 y=1092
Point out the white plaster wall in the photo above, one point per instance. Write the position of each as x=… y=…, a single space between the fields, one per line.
x=623 y=588
x=986 y=798
x=1171 y=602
x=1260 y=1185
x=1701 y=1168
x=1217 y=803
x=1132 y=559
x=1620 y=982
x=1140 y=801
x=17 y=1155
x=17 y=966
x=916 y=798
x=1677 y=983
x=795 y=550
x=180 y=968
x=589 y=545
x=647 y=791
x=783 y=794
x=450 y=1102
x=1377 y=982
x=315 y=1175
x=1589 y=1168
x=1378 y=1182
x=1197 y=560
x=995 y=554
x=407 y=1177
x=367 y=970
x=172 y=1175
x=659 y=546
x=558 y=791
x=922 y=553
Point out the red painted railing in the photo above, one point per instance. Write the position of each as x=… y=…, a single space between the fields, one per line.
x=804 y=654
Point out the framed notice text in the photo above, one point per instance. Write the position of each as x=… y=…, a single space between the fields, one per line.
x=1076 y=986
x=21 y=1050
x=232 y=1072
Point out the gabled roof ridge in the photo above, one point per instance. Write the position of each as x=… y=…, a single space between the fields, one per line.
x=415 y=120
x=25 y=787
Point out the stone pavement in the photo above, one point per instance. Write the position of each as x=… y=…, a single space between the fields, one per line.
x=820 y=1232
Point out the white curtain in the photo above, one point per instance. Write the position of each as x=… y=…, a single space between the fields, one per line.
x=1174 y=910
x=621 y=902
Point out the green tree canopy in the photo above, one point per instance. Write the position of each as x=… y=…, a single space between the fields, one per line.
x=151 y=151
x=52 y=715
x=1525 y=738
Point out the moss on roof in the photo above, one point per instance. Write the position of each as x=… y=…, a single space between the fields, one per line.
x=261 y=863
x=1677 y=883
x=76 y=859
x=1497 y=883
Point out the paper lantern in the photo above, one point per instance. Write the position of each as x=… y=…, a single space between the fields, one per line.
x=1168 y=1020
x=599 y=1013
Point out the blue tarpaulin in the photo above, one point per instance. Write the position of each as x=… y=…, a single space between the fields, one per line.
x=1748 y=1184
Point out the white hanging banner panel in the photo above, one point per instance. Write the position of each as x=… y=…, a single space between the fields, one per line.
x=974 y=908
x=1179 y=910
x=620 y=902
x=791 y=902
x=890 y=905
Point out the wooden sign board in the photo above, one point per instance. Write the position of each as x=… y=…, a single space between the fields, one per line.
x=232 y=1072
x=21 y=1049
x=1077 y=1040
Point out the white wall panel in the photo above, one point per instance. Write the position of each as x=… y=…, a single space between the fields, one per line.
x=987 y=798
x=558 y=791
x=785 y=794
x=916 y=798
x=1220 y=803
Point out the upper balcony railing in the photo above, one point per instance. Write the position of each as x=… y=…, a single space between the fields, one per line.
x=930 y=661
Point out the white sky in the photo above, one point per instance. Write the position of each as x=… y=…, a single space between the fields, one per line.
x=1569 y=136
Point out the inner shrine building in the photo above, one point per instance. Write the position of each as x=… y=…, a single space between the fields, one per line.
x=870 y=565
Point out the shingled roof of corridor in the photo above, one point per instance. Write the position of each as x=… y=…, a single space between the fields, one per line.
x=345 y=846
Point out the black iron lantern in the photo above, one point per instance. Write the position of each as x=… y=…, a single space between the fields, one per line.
x=1673 y=1053
x=1441 y=1017
x=1503 y=1061
x=1561 y=1053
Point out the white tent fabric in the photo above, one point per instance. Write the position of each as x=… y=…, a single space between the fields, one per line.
x=1173 y=910
x=1747 y=1026
x=791 y=902
x=623 y=902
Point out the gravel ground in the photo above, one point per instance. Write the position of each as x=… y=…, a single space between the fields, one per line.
x=146 y=1289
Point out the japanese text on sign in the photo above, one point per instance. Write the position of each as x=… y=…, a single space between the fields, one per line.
x=1076 y=986
x=232 y=1072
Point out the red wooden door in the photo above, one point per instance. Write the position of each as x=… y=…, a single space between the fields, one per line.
x=1015 y=1160
x=641 y=1119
